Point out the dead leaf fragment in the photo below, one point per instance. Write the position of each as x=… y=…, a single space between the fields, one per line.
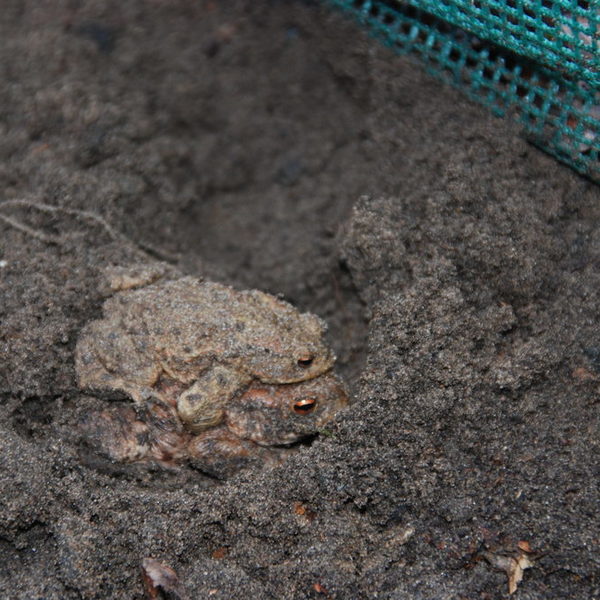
x=161 y=581
x=582 y=374
x=303 y=511
x=320 y=589
x=525 y=546
x=219 y=553
x=513 y=566
x=299 y=508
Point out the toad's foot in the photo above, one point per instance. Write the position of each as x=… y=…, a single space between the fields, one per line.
x=145 y=433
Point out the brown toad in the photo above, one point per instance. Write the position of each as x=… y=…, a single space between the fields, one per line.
x=200 y=341
x=257 y=427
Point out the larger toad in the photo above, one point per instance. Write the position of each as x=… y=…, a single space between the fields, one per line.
x=258 y=427
x=205 y=341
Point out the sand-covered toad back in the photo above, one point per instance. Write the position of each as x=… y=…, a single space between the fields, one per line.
x=196 y=345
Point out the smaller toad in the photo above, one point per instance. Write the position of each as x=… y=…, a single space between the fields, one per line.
x=258 y=426
x=197 y=345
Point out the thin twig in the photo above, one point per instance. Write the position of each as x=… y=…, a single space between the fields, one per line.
x=81 y=214
x=38 y=235
x=84 y=214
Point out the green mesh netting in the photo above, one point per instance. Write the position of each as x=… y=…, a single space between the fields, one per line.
x=536 y=59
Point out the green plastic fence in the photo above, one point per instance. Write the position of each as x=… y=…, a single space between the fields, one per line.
x=538 y=60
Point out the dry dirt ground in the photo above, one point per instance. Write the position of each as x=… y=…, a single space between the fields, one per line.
x=273 y=145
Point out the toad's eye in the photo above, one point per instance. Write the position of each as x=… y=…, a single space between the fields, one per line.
x=305 y=361
x=303 y=407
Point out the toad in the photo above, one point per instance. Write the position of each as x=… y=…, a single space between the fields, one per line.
x=197 y=344
x=257 y=426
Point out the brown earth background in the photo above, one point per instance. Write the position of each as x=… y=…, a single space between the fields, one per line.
x=273 y=145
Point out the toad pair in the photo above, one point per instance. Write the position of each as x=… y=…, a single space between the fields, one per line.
x=217 y=375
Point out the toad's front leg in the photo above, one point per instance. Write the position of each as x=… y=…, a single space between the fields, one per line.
x=220 y=453
x=201 y=405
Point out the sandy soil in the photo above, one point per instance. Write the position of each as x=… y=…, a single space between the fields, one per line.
x=273 y=145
